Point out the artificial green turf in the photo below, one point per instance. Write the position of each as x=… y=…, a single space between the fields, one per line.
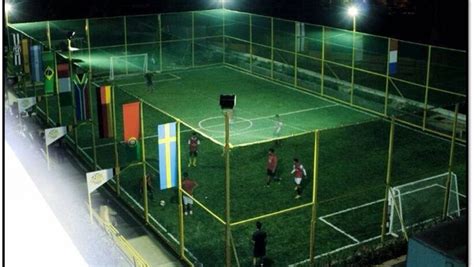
x=352 y=162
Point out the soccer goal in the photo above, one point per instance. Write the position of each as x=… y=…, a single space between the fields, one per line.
x=128 y=65
x=421 y=201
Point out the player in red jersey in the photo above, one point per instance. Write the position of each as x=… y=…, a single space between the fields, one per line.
x=193 y=143
x=188 y=185
x=272 y=164
x=299 y=173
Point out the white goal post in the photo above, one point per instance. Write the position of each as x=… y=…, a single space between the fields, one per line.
x=421 y=201
x=128 y=65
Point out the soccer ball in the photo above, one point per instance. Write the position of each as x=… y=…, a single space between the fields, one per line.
x=162 y=203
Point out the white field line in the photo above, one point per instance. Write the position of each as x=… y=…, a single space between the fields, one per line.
x=322 y=218
x=374 y=202
x=340 y=230
x=273 y=116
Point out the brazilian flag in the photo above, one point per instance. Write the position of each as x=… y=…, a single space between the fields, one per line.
x=49 y=73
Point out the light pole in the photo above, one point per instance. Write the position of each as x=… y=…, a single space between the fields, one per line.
x=353 y=12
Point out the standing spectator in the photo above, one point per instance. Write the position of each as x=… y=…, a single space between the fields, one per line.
x=272 y=163
x=149 y=81
x=299 y=173
x=259 y=241
x=188 y=185
x=193 y=143
x=277 y=129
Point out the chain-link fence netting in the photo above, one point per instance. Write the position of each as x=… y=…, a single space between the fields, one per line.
x=419 y=85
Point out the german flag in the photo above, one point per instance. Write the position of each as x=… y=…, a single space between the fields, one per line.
x=104 y=110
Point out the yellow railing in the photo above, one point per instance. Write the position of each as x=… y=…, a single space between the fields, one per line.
x=121 y=242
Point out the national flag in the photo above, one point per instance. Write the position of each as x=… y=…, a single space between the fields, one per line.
x=64 y=80
x=25 y=52
x=49 y=73
x=16 y=49
x=104 y=111
x=131 y=130
x=26 y=103
x=393 y=56
x=167 y=155
x=36 y=52
x=98 y=178
x=81 y=96
x=53 y=134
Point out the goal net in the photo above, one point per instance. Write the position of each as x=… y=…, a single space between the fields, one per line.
x=128 y=65
x=421 y=201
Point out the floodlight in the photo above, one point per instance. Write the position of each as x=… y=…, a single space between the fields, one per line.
x=353 y=11
x=227 y=101
x=8 y=7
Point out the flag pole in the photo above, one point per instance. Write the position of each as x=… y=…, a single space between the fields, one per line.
x=76 y=145
x=145 y=189
x=117 y=167
x=90 y=205
x=48 y=34
x=180 y=194
x=47 y=152
x=57 y=88
x=89 y=87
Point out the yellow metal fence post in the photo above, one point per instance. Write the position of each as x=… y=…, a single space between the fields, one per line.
x=450 y=164
x=117 y=166
x=427 y=87
x=145 y=189
x=180 y=194
x=228 y=253
x=388 y=179
x=315 y=199
x=89 y=87
x=322 y=60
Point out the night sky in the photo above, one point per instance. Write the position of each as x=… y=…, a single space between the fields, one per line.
x=437 y=22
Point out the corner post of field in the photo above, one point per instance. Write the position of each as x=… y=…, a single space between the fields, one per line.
x=388 y=179
x=145 y=189
x=180 y=193
x=114 y=122
x=228 y=253
x=315 y=199
x=427 y=86
x=450 y=166
x=89 y=86
x=322 y=59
